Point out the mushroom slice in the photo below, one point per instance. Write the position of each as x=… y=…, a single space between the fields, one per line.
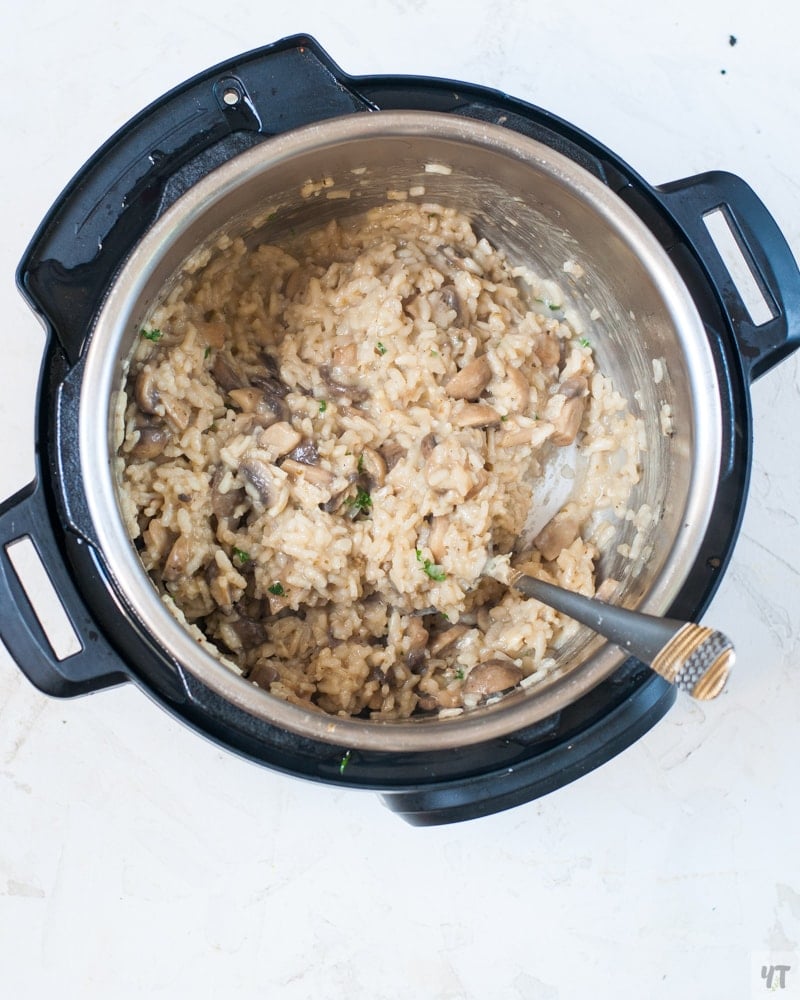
x=227 y=373
x=438 y=532
x=557 y=534
x=145 y=392
x=568 y=421
x=259 y=480
x=266 y=406
x=470 y=382
x=224 y=504
x=492 y=677
x=548 y=349
x=372 y=466
x=427 y=445
x=280 y=438
x=476 y=415
x=152 y=441
x=447 y=639
x=417 y=636
x=177 y=560
x=306 y=452
x=520 y=387
x=311 y=473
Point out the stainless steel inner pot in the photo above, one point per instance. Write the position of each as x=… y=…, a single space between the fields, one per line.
x=542 y=209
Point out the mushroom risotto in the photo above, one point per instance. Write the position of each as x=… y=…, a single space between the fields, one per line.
x=323 y=443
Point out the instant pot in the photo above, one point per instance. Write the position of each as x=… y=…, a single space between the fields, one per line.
x=228 y=151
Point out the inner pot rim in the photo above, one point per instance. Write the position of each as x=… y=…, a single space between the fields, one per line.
x=102 y=374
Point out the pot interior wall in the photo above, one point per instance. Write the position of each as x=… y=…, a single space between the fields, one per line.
x=543 y=211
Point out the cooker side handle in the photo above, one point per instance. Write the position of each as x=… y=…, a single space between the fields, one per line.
x=44 y=624
x=695 y=203
x=158 y=155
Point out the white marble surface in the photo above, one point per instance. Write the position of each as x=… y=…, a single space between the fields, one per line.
x=138 y=860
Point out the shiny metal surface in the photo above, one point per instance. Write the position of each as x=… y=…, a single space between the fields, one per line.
x=542 y=209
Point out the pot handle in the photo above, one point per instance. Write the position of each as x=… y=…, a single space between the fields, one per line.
x=44 y=624
x=693 y=202
x=156 y=157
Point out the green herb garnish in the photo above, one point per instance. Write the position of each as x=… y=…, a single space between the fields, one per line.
x=277 y=589
x=206 y=352
x=241 y=555
x=504 y=417
x=585 y=342
x=345 y=761
x=323 y=405
x=154 y=335
x=361 y=501
x=360 y=465
x=553 y=307
x=460 y=675
x=380 y=349
x=430 y=569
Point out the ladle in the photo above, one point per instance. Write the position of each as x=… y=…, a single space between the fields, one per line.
x=695 y=658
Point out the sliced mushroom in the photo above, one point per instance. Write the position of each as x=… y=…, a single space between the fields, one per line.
x=227 y=373
x=568 y=422
x=373 y=468
x=470 y=382
x=492 y=677
x=447 y=639
x=451 y=300
x=178 y=412
x=153 y=439
x=427 y=445
x=266 y=406
x=280 y=438
x=248 y=632
x=264 y=673
x=392 y=453
x=548 y=349
x=311 y=473
x=576 y=385
x=476 y=415
x=145 y=392
x=219 y=586
x=557 y=534
x=417 y=636
x=306 y=452
x=520 y=388
x=258 y=479
x=224 y=504
x=177 y=560
x=439 y=526
x=342 y=376
x=482 y=477
x=296 y=282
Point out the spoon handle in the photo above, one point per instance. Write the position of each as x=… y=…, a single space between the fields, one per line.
x=695 y=658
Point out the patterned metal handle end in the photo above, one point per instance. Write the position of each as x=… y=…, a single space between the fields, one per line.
x=696 y=659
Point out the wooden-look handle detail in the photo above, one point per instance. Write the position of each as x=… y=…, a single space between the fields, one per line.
x=696 y=659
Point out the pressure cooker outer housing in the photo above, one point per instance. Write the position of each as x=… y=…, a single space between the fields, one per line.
x=70 y=273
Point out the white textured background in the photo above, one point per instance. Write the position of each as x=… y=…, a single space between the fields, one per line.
x=138 y=860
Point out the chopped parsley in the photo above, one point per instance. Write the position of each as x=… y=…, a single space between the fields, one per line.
x=380 y=349
x=362 y=501
x=323 y=405
x=154 y=335
x=241 y=555
x=345 y=761
x=504 y=417
x=360 y=465
x=206 y=352
x=553 y=306
x=277 y=589
x=585 y=342
x=460 y=675
x=429 y=568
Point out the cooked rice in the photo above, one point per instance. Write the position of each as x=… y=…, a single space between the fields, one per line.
x=307 y=482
